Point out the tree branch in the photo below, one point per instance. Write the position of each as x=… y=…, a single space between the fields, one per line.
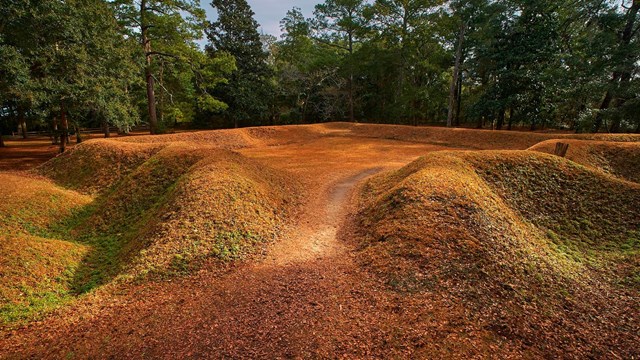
x=325 y=42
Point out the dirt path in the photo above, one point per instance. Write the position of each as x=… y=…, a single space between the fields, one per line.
x=316 y=236
x=307 y=299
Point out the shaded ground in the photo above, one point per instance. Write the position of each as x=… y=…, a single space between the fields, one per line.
x=26 y=154
x=306 y=297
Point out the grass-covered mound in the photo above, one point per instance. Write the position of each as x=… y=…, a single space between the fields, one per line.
x=184 y=204
x=621 y=159
x=30 y=204
x=94 y=166
x=226 y=207
x=539 y=250
x=465 y=138
x=173 y=205
x=35 y=272
x=35 y=275
x=234 y=139
x=156 y=209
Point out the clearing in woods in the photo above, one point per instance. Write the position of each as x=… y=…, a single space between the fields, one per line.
x=348 y=270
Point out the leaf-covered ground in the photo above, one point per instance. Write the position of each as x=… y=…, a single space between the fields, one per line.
x=254 y=243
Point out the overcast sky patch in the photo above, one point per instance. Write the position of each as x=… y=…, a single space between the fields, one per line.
x=268 y=12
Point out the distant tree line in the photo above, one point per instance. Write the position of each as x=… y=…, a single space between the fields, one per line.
x=95 y=63
x=71 y=64
x=496 y=64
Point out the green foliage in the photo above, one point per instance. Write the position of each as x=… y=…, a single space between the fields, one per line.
x=536 y=63
x=521 y=63
x=249 y=89
x=66 y=57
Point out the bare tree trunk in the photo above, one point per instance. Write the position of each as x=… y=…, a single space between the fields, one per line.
x=534 y=126
x=605 y=105
x=54 y=131
x=78 y=135
x=352 y=116
x=350 y=85
x=615 y=126
x=304 y=109
x=22 y=122
x=106 y=129
x=616 y=123
x=458 y=101
x=456 y=73
x=160 y=97
x=146 y=44
x=1 y=140
x=510 y=119
x=64 y=135
x=500 y=119
x=151 y=98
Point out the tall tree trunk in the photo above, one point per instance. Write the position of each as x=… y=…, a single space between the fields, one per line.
x=304 y=108
x=54 y=131
x=23 y=129
x=616 y=122
x=1 y=140
x=352 y=117
x=509 y=126
x=458 y=100
x=160 y=97
x=146 y=44
x=64 y=124
x=597 y=124
x=618 y=77
x=500 y=119
x=151 y=98
x=22 y=122
x=106 y=128
x=456 y=73
x=78 y=135
x=615 y=126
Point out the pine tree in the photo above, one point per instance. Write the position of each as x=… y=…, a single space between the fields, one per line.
x=338 y=24
x=167 y=29
x=249 y=90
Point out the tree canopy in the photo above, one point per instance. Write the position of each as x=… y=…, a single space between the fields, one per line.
x=485 y=63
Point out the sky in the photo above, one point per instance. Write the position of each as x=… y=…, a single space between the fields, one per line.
x=269 y=12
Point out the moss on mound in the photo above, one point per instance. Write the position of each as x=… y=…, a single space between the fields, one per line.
x=171 y=207
x=35 y=272
x=225 y=208
x=525 y=241
x=464 y=138
x=621 y=159
x=93 y=166
x=158 y=209
x=30 y=204
x=35 y=275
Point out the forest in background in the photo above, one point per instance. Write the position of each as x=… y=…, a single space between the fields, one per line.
x=67 y=65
